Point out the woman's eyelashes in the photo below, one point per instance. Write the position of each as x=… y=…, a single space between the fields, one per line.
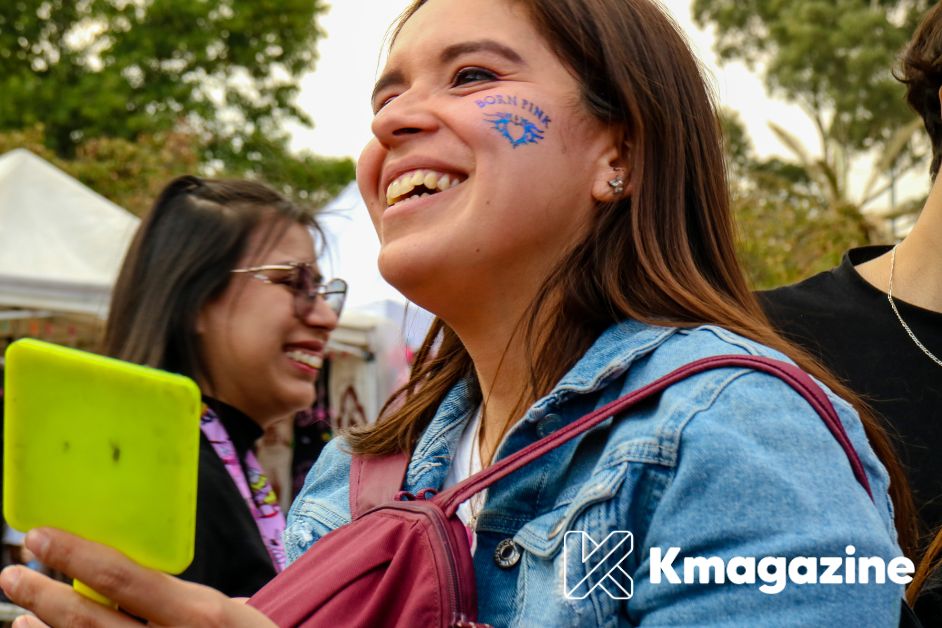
x=463 y=77
x=466 y=76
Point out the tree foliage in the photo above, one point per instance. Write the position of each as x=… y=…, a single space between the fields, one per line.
x=834 y=58
x=128 y=173
x=788 y=227
x=111 y=80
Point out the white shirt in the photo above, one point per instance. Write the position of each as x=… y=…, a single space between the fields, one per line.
x=467 y=462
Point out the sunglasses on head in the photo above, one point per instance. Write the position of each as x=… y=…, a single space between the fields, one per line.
x=304 y=282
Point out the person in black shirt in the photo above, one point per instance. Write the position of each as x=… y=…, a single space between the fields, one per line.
x=848 y=324
x=876 y=320
x=221 y=284
x=230 y=555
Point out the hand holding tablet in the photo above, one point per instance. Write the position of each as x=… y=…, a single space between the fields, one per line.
x=101 y=448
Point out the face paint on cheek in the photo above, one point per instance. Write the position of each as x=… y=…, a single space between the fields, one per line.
x=517 y=129
x=496 y=99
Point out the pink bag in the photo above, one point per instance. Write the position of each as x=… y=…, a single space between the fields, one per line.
x=404 y=560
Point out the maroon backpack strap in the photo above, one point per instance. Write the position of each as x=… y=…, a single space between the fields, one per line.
x=800 y=381
x=375 y=480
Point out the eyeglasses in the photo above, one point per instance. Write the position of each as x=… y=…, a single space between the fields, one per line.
x=301 y=279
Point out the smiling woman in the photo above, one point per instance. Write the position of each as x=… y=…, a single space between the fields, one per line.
x=587 y=250
x=546 y=177
x=192 y=298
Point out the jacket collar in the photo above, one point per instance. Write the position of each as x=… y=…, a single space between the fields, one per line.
x=609 y=357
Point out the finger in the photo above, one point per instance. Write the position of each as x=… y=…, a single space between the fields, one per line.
x=28 y=621
x=55 y=603
x=145 y=593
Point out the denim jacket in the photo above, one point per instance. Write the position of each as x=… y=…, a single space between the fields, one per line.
x=728 y=463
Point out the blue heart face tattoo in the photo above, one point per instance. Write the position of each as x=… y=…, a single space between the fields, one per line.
x=517 y=129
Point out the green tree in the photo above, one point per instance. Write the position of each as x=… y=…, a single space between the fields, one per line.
x=788 y=227
x=129 y=173
x=222 y=73
x=834 y=59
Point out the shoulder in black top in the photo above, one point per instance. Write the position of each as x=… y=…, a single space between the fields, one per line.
x=230 y=555
x=849 y=326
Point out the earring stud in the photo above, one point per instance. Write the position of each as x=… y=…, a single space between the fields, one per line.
x=617 y=184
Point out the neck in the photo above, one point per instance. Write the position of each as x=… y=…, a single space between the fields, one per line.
x=917 y=275
x=501 y=366
x=502 y=361
x=238 y=404
x=487 y=307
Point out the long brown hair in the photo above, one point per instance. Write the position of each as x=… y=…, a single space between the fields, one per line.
x=930 y=564
x=181 y=258
x=666 y=255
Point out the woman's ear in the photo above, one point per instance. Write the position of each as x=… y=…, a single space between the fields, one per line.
x=613 y=178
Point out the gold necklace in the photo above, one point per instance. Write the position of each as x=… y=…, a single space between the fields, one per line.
x=476 y=501
x=889 y=296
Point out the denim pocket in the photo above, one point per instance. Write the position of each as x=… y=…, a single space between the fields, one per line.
x=543 y=535
x=558 y=591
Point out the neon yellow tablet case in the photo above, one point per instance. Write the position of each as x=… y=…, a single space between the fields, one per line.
x=102 y=448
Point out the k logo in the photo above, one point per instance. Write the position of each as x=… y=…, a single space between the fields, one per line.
x=603 y=562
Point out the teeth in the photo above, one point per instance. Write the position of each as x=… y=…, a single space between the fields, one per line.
x=308 y=359
x=434 y=181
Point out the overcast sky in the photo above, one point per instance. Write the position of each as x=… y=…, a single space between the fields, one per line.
x=336 y=94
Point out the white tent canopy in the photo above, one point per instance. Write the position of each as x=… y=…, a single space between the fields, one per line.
x=368 y=362
x=61 y=244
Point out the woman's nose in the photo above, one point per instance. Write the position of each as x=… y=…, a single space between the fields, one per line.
x=408 y=115
x=322 y=315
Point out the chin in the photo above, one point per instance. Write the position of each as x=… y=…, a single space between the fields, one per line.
x=295 y=401
x=305 y=401
x=418 y=277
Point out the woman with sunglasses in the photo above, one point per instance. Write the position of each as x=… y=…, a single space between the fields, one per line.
x=221 y=284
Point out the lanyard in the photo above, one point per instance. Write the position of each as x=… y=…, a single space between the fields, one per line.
x=257 y=492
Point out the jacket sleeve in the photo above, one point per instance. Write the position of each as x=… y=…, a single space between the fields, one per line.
x=759 y=476
x=323 y=505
